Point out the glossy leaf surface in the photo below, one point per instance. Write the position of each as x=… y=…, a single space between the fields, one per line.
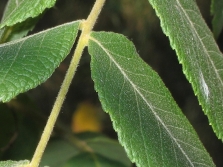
x=217 y=12
x=28 y=62
x=17 y=11
x=150 y=125
x=197 y=52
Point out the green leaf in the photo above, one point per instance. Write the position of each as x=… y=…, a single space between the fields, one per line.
x=105 y=147
x=92 y=160
x=18 y=30
x=109 y=149
x=150 y=125
x=17 y=11
x=217 y=12
x=199 y=54
x=13 y=163
x=28 y=62
x=58 y=151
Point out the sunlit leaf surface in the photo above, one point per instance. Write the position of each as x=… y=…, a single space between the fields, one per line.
x=150 y=125
x=28 y=62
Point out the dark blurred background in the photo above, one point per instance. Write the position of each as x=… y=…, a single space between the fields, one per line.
x=137 y=21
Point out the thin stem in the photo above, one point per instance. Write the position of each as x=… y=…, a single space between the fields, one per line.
x=82 y=43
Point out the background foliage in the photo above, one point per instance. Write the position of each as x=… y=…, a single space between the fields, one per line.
x=137 y=21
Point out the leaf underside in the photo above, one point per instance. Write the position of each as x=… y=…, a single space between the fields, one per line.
x=150 y=125
x=28 y=62
x=17 y=11
x=198 y=53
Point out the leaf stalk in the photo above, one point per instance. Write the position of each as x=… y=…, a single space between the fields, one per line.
x=86 y=27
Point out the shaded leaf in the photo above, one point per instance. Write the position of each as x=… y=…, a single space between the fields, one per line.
x=28 y=62
x=2 y=34
x=217 y=21
x=107 y=148
x=58 y=152
x=8 y=128
x=13 y=163
x=150 y=125
x=25 y=139
x=18 y=30
x=197 y=52
x=92 y=160
x=17 y=11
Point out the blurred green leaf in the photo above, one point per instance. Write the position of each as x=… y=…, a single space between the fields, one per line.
x=150 y=125
x=92 y=160
x=58 y=152
x=28 y=62
x=217 y=21
x=13 y=163
x=106 y=147
x=109 y=149
x=198 y=53
x=17 y=11
x=26 y=139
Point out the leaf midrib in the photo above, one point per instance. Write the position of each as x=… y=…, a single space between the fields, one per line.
x=202 y=44
x=206 y=52
x=141 y=95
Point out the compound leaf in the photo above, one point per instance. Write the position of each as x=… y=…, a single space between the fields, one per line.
x=28 y=62
x=149 y=123
x=198 y=53
x=17 y=11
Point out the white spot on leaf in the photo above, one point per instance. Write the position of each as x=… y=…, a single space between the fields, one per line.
x=204 y=86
